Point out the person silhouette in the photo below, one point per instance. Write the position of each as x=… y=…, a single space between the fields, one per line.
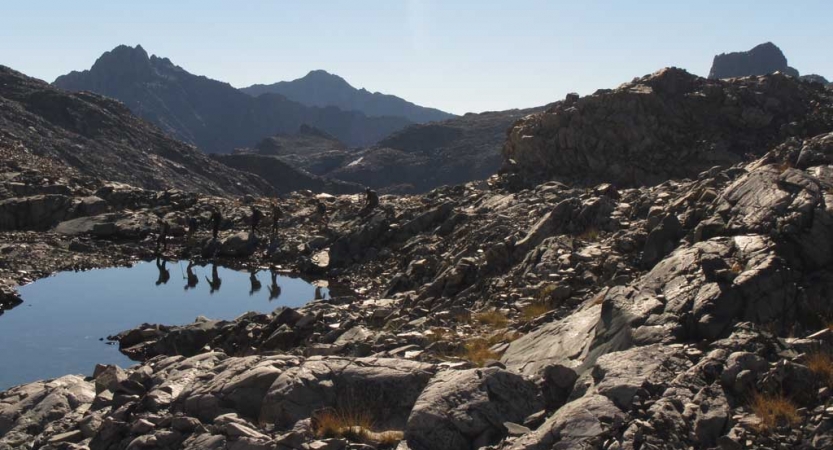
x=216 y=219
x=274 y=289
x=256 y=285
x=318 y=295
x=164 y=273
x=192 y=277
x=215 y=280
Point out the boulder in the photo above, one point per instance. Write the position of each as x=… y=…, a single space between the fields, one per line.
x=459 y=410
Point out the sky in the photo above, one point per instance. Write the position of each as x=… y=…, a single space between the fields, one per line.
x=456 y=55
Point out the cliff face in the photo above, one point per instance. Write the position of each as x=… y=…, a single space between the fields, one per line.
x=319 y=88
x=99 y=137
x=667 y=125
x=763 y=59
x=211 y=114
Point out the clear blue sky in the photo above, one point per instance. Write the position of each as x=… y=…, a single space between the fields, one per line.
x=455 y=55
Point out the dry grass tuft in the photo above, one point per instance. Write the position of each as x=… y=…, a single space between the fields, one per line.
x=774 y=411
x=346 y=424
x=737 y=267
x=821 y=364
x=477 y=352
x=590 y=234
x=438 y=334
x=495 y=319
x=533 y=310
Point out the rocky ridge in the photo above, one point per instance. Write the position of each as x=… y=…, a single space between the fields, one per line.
x=99 y=137
x=690 y=313
x=670 y=124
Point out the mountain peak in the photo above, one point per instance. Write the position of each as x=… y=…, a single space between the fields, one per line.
x=125 y=61
x=762 y=59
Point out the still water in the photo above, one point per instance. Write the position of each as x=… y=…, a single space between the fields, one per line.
x=57 y=329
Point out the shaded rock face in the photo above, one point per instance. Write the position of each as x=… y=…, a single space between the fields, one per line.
x=319 y=88
x=309 y=149
x=763 y=59
x=425 y=156
x=101 y=138
x=667 y=125
x=211 y=114
x=283 y=177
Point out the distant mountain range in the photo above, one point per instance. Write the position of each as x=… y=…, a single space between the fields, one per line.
x=211 y=114
x=320 y=88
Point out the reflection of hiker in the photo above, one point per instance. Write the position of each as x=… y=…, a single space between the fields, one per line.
x=162 y=239
x=256 y=216
x=164 y=273
x=371 y=201
x=277 y=214
x=274 y=289
x=216 y=218
x=215 y=280
x=254 y=281
x=192 y=277
x=318 y=295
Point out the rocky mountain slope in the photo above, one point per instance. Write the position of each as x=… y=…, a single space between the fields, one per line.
x=762 y=59
x=309 y=149
x=693 y=312
x=423 y=157
x=98 y=137
x=284 y=177
x=670 y=124
x=211 y=114
x=319 y=88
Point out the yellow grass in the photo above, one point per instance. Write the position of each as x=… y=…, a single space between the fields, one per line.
x=533 y=310
x=492 y=318
x=774 y=411
x=821 y=364
x=354 y=426
x=477 y=352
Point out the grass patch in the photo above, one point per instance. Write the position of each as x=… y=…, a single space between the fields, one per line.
x=355 y=426
x=494 y=319
x=590 y=234
x=821 y=364
x=477 y=352
x=439 y=335
x=774 y=411
x=533 y=310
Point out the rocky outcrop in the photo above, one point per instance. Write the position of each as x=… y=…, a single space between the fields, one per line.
x=319 y=88
x=211 y=114
x=667 y=125
x=762 y=59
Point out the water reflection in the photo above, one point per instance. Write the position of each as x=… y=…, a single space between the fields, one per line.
x=215 y=281
x=164 y=273
x=254 y=282
x=56 y=330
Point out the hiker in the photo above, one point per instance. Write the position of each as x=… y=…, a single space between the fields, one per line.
x=274 y=289
x=318 y=295
x=216 y=218
x=215 y=280
x=321 y=210
x=256 y=216
x=371 y=201
x=254 y=281
x=192 y=277
x=192 y=227
x=277 y=215
x=162 y=239
x=164 y=273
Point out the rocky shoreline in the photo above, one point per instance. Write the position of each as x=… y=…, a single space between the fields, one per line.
x=689 y=313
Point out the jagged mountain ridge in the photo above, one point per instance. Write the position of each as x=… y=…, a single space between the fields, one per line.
x=320 y=88
x=99 y=137
x=211 y=114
